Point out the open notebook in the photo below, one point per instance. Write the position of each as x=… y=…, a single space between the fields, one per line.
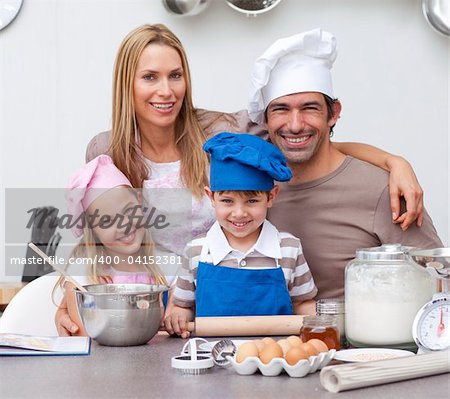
x=29 y=345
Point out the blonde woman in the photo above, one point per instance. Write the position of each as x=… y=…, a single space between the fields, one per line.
x=157 y=135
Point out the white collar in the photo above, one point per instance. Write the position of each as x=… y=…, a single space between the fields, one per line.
x=268 y=243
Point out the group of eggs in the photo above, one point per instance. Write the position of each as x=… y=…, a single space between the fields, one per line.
x=292 y=349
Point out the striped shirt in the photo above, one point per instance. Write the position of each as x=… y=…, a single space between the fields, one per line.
x=272 y=249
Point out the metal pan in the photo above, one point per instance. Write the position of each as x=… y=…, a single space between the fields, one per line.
x=437 y=13
x=252 y=7
x=185 y=7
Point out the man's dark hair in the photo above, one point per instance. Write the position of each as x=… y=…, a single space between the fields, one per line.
x=330 y=110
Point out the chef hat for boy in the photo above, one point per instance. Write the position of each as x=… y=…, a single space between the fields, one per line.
x=245 y=163
x=295 y=64
x=89 y=182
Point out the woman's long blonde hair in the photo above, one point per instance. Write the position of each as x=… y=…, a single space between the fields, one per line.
x=189 y=135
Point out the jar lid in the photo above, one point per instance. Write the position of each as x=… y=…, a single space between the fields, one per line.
x=330 y=306
x=323 y=320
x=384 y=252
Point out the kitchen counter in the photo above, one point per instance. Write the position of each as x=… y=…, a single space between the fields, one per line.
x=145 y=372
x=7 y=292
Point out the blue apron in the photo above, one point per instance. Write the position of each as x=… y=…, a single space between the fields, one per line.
x=226 y=291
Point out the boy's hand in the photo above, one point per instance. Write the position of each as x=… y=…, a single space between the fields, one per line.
x=177 y=321
x=305 y=308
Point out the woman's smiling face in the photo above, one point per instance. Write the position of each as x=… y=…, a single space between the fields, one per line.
x=159 y=87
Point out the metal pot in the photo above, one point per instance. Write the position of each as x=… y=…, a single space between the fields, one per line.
x=185 y=7
x=252 y=7
x=437 y=13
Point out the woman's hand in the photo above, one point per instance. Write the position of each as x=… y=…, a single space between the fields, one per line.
x=403 y=183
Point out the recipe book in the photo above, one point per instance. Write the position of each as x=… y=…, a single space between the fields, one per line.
x=30 y=345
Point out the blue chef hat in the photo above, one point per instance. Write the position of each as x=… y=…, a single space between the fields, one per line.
x=244 y=162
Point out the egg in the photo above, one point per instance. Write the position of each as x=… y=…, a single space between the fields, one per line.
x=319 y=345
x=295 y=354
x=246 y=350
x=270 y=351
x=259 y=343
x=310 y=349
x=294 y=340
x=268 y=340
x=285 y=345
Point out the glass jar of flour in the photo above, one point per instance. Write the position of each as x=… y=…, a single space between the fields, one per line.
x=383 y=292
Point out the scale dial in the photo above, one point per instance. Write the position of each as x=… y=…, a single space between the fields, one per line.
x=431 y=327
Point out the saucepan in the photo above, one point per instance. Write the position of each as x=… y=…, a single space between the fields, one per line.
x=437 y=13
x=185 y=7
x=252 y=7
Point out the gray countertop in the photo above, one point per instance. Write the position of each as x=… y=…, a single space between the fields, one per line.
x=145 y=372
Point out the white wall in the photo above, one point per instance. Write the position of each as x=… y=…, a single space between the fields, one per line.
x=56 y=60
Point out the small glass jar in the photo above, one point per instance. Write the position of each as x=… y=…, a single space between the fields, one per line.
x=321 y=327
x=383 y=292
x=334 y=307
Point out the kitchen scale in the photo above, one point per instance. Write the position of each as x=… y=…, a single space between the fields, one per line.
x=431 y=327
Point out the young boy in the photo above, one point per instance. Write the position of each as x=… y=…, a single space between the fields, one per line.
x=243 y=265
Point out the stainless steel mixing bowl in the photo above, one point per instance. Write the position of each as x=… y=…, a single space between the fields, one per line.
x=121 y=314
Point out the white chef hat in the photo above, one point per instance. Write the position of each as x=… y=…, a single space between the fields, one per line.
x=295 y=64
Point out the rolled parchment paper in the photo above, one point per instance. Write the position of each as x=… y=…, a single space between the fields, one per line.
x=358 y=375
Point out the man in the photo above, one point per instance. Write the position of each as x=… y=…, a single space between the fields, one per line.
x=335 y=204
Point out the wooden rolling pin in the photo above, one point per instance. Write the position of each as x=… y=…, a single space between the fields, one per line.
x=242 y=326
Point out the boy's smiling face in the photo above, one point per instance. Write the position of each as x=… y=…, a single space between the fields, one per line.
x=241 y=214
